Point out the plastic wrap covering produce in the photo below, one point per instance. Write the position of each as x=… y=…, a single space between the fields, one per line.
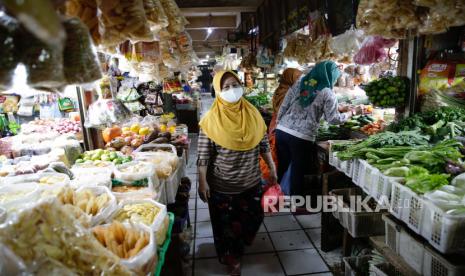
x=8 y=58
x=387 y=18
x=120 y=20
x=40 y=18
x=133 y=243
x=155 y=15
x=176 y=20
x=80 y=61
x=48 y=239
x=346 y=45
x=441 y=15
x=44 y=63
x=105 y=112
x=86 y=10
x=373 y=50
x=148 y=212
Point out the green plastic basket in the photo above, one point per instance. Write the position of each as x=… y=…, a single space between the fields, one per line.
x=162 y=249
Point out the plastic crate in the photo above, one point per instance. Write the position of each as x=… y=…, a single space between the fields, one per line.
x=444 y=232
x=364 y=223
x=353 y=265
x=359 y=173
x=348 y=167
x=367 y=177
x=397 y=202
x=392 y=234
x=355 y=169
x=382 y=187
x=414 y=211
x=411 y=250
x=164 y=248
x=384 y=269
x=331 y=158
x=436 y=265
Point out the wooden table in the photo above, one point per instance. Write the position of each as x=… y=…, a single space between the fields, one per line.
x=392 y=257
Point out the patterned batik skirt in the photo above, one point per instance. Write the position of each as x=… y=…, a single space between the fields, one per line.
x=235 y=221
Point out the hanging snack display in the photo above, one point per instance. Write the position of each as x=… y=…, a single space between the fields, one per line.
x=86 y=10
x=44 y=63
x=155 y=15
x=176 y=20
x=39 y=18
x=80 y=62
x=122 y=20
x=441 y=15
x=387 y=18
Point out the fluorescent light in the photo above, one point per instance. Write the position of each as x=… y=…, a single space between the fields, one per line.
x=209 y=30
x=207 y=56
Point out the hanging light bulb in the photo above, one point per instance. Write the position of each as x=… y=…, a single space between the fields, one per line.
x=207 y=56
x=209 y=30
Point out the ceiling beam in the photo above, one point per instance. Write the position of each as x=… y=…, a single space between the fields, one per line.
x=189 y=12
x=215 y=22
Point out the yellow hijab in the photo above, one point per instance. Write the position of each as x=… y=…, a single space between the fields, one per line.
x=238 y=126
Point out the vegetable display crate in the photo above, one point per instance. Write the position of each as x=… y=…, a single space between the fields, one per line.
x=367 y=177
x=355 y=169
x=331 y=158
x=384 y=269
x=164 y=248
x=359 y=170
x=354 y=266
x=359 y=223
x=339 y=214
x=347 y=167
x=382 y=187
x=404 y=244
x=443 y=231
x=436 y=265
x=407 y=206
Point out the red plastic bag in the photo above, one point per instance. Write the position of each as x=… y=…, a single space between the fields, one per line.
x=373 y=50
x=271 y=198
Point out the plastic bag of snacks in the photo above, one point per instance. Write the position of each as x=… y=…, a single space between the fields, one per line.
x=176 y=20
x=13 y=197
x=172 y=86
x=80 y=61
x=134 y=243
x=40 y=18
x=44 y=63
x=105 y=112
x=184 y=41
x=165 y=162
x=169 y=55
x=387 y=18
x=48 y=232
x=8 y=58
x=148 y=52
x=119 y=20
x=96 y=201
x=348 y=43
x=155 y=15
x=440 y=15
x=136 y=180
x=147 y=212
x=86 y=10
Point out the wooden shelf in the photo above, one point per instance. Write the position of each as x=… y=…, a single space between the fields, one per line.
x=392 y=257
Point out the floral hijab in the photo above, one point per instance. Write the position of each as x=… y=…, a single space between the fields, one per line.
x=323 y=75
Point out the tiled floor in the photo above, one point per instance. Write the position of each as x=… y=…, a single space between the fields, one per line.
x=285 y=244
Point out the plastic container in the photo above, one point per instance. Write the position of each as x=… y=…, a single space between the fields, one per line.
x=436 y=265
x=331 y=158
x=443 y=231
x=384 y=269
x=347 y=167
x=164 y=248
x=359 y=173
x=414 y=212
x=397 y=203
x=355 y=169
x=156 y=147
x=353 y=265
x=382 y=187
x=367 y=177
x=392 y=234
x=411 y=250
x=363 y=223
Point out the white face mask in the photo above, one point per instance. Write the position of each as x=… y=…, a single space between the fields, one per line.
x=232 y=95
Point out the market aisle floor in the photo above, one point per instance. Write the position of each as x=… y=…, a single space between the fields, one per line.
x=285 y=244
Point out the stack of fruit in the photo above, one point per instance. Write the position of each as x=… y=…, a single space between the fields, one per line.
x=388 y=91
x=103 y=155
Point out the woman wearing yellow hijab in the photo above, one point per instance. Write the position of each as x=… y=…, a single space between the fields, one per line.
x=231 y=139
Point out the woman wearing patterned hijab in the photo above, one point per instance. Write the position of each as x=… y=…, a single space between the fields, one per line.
x=310 y=99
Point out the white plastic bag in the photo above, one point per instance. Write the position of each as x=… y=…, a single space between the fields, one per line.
x=91 y=177
x=348 y=43
x=159 y=225
x=106 y=211
x=10 y=264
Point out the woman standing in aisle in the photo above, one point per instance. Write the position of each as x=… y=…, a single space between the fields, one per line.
x=288 y=78
x=231 y=139
x=309 y=100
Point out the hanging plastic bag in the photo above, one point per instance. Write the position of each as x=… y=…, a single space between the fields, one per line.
x=373 y=50
x=105 y=112
x=86 y=10
x=80 y=61
x=271 y=198
x=176 y=20
x=120 y=20
x=9 y=58
x=40 y=19
x=348 y=43
x=155 y=15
